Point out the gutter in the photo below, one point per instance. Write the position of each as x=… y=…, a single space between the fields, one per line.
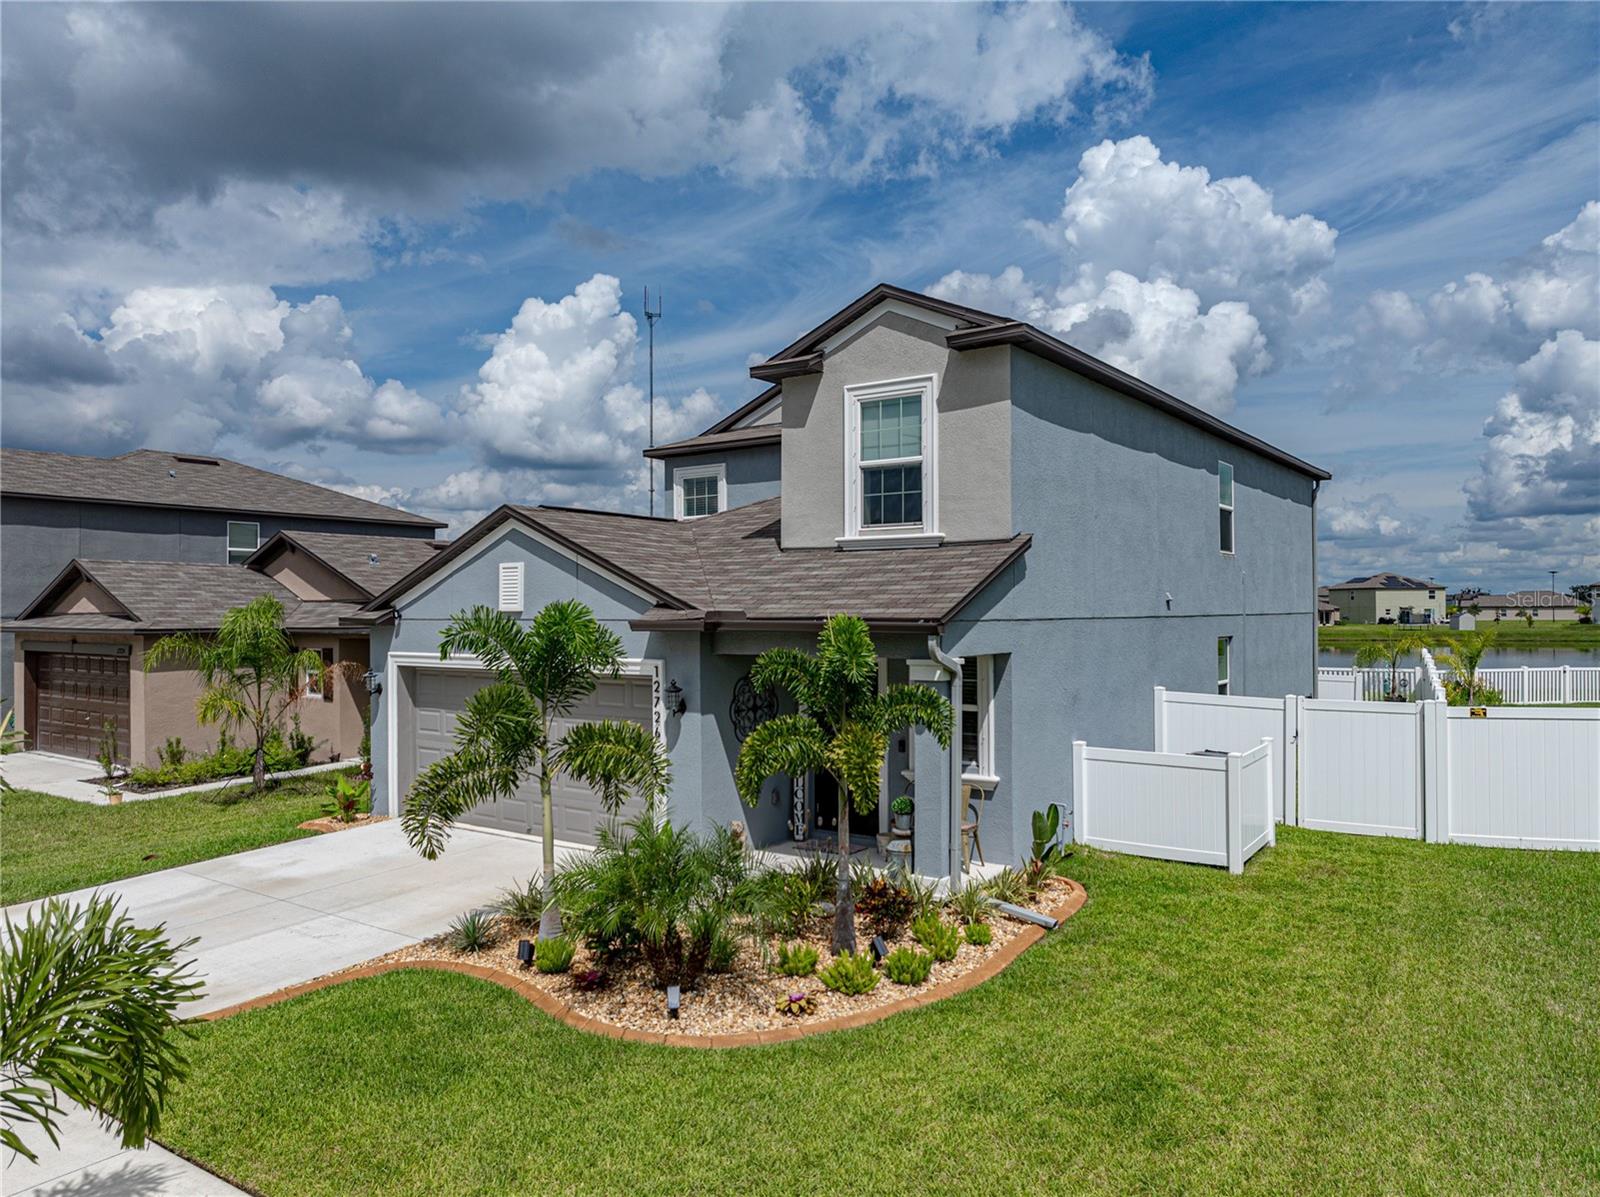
x=953 y=664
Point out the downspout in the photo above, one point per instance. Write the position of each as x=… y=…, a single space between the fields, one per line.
x=953 y=664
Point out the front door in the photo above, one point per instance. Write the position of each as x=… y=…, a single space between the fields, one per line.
x=825 y=809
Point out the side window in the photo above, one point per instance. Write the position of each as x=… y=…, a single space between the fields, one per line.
x=1224 y=663
x=243 y=539
x=1225 y=506
x=699 y=491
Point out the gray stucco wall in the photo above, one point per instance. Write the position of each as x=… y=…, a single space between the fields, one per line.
x=752 y=474
x=974 y=438
x=39 y=537
x=1122 y=502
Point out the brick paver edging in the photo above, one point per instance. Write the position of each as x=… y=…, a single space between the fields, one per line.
x=561 y=1012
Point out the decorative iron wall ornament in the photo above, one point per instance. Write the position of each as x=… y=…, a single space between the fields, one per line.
x=750 y=707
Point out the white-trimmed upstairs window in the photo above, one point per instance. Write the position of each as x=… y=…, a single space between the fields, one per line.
x=700 y=491
x=243 y=539
x=977 y=721
x=1225 y=506
x=890 y=462
x=511 y=586
x=1224 y=664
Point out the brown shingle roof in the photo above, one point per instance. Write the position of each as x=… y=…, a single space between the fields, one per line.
x=1386 y=582
x=374 y=563
x=164 y=596
x=735 y=438
x=152 y=478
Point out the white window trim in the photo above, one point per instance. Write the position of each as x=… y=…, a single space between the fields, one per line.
x=926 y=387
x=1225 y=683
x=227 y=541
x=1233 y=523
x=986 y=775
x=719 y=471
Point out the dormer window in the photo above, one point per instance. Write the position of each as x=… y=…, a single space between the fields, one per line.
x=699 y=490
x=890 y=478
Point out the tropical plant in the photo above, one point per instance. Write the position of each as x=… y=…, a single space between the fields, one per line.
x=12 y=737
x=724 y=951
x=251 y=672
x=347 y=798
x=886 y=905
x=925 y=899
x=505 y=733
x=106 y=752
x=172 y=753
x=850 y=974
x=938 y=936
x=907 y=966
x=796 y=960
x=90 y=1006
x=554 y=955
x=473 y=932
x=663 y=887
x=1388 y=652
x=1047 y=847
x=795 y=1004
x=979 y=933
x=1463 y=658
x=971 y=905
x=1008 y=885
x=842 y=728
x=790 y=903
x=301 y=743
x=1482 y=695
x=588 y=980
x=522 y=903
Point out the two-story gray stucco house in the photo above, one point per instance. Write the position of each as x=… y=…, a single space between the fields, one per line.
x=100 y=556
x=1033 y=532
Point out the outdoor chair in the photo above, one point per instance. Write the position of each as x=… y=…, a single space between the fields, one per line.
x=972 y=800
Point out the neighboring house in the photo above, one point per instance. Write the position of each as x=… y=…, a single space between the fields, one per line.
x=1546 y=605
x=1388 y=598
x=1035 y=533
x=131 y=521
x=1327 y=610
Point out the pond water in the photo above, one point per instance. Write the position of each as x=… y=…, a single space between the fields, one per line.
x=1498 y=658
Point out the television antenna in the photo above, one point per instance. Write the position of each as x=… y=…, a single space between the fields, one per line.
x=650 y=319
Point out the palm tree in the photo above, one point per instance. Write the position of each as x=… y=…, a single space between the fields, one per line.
x=842 y=729
x=90 y=1004
x=503 y=734
x=1465 y=655
x=1388 y=652
x=251 y=672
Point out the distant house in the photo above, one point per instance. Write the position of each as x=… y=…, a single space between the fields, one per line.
x=101 y=555
x=1545 y=605
x=1388 y=598
x=1327 y=610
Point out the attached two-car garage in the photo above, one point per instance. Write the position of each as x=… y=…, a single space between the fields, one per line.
x=437 y=697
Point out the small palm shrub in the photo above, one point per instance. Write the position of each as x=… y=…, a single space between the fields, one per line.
x=795 y=1005
x=554 y=955
x=938 y=936
x=724 y=951
x=971 y=905
x=907 y=966
x=886 y=905
x=820 y=876
x=1008 y=885
x=850 y=973
x=979 y=934
x=790 y=901
x=796 y=960
x=522 y=903
x=473 y=932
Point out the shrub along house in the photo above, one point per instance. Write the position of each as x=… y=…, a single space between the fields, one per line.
x=1029 y=530
x=81 y=641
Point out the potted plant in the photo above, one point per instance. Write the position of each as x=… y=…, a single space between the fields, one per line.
x=901 y=809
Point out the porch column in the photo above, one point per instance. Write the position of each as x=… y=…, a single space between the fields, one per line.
x=931 y=838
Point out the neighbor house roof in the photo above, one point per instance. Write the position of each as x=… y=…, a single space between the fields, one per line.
x=1544 y=599
x=152 y=478
x=370 y=563
x=728 y=569
x=168 y=596
x=710 y=442
x=980 y=330
x=1387 y=582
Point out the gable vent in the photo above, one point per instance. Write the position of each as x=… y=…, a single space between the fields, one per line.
x=511 y=586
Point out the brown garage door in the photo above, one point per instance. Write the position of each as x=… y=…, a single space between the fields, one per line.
x=75 y=693
x=440 y=694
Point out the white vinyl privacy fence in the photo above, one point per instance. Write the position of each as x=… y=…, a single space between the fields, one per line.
x=1515 y=777
x=1519 y=685
x=1215 y=810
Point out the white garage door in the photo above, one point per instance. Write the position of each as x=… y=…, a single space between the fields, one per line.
x=440 y=695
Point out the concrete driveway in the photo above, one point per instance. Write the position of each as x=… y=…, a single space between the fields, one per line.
x=267 y=919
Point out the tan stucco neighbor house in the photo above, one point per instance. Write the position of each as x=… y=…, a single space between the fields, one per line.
x=1388 y=598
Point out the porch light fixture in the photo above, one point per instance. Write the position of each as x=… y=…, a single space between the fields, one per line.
x=674 y=696
x=879 y=949
x=374 y=681
x=525 y=952
x=674 y=999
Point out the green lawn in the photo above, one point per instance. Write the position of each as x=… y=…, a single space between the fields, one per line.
x=1509 y=633
x=1350 y=1016
x=49 y=845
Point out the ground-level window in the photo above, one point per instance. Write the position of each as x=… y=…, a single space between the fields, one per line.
x=699 y=491
x=1224 y=663
x=243 y=539
x=320 y=685
x=1225 y=506
x=977 y=719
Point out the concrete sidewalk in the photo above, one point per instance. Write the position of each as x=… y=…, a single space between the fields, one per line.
x=69 y=777
x=267 y=919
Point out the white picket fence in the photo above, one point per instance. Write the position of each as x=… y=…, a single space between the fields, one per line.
x=1215 y=810
x=1552 y=684
x=1518 y=777
x=1369 y=684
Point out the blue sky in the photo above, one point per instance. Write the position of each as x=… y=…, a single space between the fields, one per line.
x=302 y=235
